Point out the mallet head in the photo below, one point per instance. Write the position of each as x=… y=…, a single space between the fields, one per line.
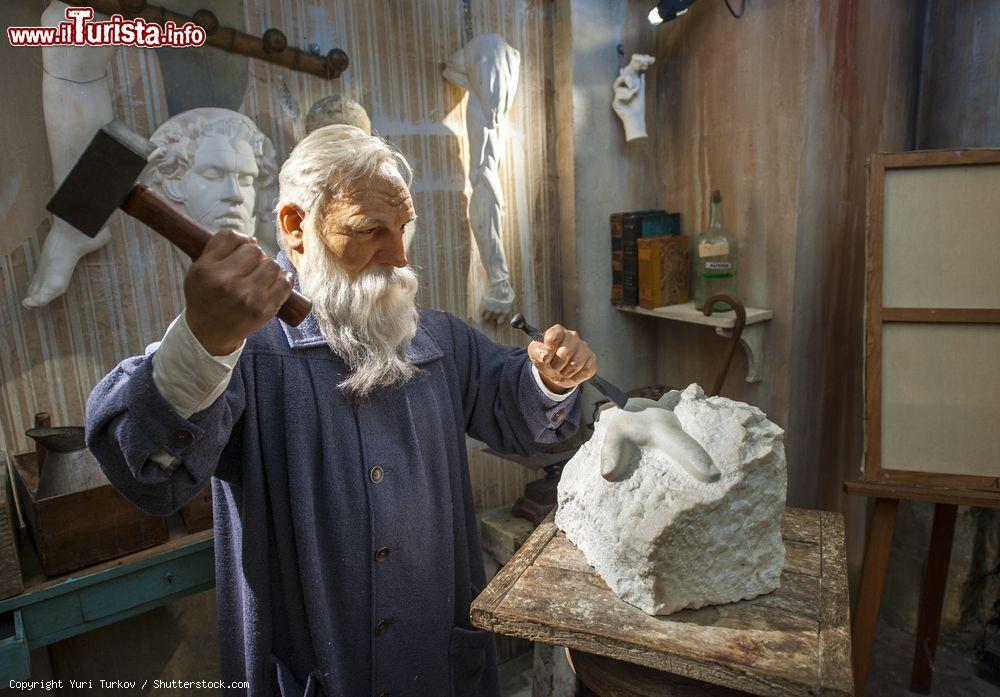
x=102 y=178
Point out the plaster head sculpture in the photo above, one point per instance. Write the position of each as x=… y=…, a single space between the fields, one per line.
x=343 y=210
x=211 y=162
x=629 y=100
x=678 y=503
x=487 y=68
x=337 y=109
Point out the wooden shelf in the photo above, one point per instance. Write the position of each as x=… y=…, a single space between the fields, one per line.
x=686 y=313
x=752 y=338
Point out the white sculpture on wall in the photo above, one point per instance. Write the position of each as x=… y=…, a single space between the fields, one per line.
x=629 y=100
x=664 y=532
x=76 y=98
x=211 y=162
x=487 y=68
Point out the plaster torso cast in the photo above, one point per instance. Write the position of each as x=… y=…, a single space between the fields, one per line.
x=629 y=100
x=487 y=68
x=211 y=162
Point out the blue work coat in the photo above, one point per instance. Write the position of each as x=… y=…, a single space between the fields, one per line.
x=346 y=541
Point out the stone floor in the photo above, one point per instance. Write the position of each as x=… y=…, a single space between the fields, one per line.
x=892 y=659
x=515 y=676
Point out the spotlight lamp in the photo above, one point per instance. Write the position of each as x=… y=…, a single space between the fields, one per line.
x=666 y=10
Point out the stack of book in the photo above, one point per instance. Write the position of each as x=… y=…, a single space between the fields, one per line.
x=650 y=263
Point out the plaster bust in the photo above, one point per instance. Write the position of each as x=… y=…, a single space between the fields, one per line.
x=629 y=100
x=212 y=162
x=337 y=109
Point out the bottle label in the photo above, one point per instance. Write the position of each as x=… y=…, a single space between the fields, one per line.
x=718 y=265
x=713 y=249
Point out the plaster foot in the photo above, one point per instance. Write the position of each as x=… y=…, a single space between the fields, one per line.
x=652 y=424
x=63 y=248
x=498 y=304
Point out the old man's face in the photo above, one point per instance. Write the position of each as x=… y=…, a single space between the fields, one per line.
x=219 y=184
x=365 y=228
x=352 y=265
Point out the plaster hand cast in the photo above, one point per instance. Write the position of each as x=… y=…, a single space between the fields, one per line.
x=212 y=162
x=76 y=100
x=629 y=100
x=692 y=513
x=487 y=68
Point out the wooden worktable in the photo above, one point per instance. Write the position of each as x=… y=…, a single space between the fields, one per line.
x=794 y=641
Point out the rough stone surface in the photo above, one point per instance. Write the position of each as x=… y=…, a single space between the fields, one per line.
x=664 y=541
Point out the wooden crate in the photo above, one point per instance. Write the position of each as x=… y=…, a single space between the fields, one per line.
x=11 y=582
x=81 y=528
x=197 y=513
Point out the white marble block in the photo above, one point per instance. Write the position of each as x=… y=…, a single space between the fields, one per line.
x=663 y=539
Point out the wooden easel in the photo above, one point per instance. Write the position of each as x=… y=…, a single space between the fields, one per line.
x=902 y=229
x=877 y=549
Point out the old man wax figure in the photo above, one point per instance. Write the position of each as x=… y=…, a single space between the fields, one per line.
x=345 y=536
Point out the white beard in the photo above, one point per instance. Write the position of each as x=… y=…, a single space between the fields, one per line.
x=368 y=322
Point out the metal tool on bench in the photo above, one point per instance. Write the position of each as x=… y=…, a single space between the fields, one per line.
x=104 y=179
x=605 y=387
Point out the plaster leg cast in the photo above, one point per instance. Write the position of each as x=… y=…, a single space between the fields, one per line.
x=487 y=68
x=678 y=503
x=76 y=99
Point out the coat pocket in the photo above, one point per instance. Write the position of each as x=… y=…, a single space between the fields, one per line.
x=468 y=660
x=284 y=684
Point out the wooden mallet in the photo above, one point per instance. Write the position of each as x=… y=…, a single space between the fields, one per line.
x=104 y=179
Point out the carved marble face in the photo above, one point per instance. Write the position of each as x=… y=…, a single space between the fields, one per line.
x=218 y=187
x=366 y=227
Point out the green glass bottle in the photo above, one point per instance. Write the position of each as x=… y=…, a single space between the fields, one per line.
x=714 y=259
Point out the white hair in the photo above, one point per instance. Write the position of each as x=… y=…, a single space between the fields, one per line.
x=330 y=161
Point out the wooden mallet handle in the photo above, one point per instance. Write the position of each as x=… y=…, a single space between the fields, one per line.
x=190 y=237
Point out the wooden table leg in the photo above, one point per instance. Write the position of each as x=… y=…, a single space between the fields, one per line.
x=932 y=597
x=870 y=591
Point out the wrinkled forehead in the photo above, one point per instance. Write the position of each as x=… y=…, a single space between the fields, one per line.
x=384 y=195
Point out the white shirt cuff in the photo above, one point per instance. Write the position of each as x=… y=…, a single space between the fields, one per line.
x=546 y=391
x=187 y=375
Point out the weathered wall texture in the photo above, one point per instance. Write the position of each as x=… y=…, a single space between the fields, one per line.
x=123 y=297
x=779 y=110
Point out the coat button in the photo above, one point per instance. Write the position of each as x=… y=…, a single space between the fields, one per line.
x=559 y=414
x=382 y=626
x=181 y=437
x=383 y=694
x=382 y=554
x=376 y=474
